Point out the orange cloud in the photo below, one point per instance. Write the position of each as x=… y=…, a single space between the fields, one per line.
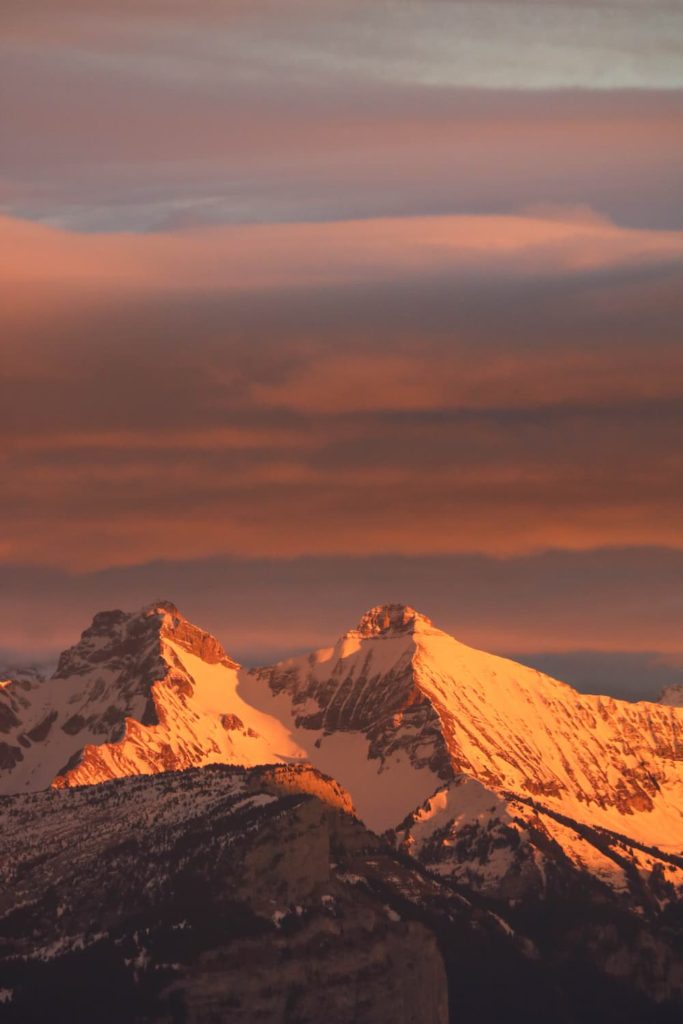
x=437 y=379
x=256 y=257
x=424 y=490
x=216 y=439
x=456 y=384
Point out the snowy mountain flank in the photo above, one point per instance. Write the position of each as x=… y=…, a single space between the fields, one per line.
x=421 y=699
x=399 y=712
x=441 y=791
x=139 y=693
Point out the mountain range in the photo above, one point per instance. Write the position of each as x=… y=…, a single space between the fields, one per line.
x=548 y=822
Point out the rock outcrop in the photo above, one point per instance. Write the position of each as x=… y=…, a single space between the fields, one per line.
x=220 y=894
x=139 y=693
x=432 y=709
x=400 y=714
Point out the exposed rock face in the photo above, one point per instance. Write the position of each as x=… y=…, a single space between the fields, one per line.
x=415 y=693
x=139 y=693
x=16 y=697
x=514 y=849
x=229 y=894
x=558 y=812
x=391 y=620
x=396 y=711
x=208 y=895
x=365 y=971
x=283 y=779
x=367 y=684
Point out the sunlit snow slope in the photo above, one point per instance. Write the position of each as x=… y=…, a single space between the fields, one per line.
x=395 y=711
x=140 y=693
x=414 y=693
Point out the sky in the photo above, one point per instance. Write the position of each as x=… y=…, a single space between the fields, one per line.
x=309 y=306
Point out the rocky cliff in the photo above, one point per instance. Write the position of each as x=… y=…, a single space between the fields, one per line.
x=209 y=895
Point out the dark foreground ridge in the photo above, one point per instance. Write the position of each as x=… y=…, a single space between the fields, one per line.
x=233 y=895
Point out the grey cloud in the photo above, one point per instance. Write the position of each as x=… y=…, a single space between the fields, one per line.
x=525 y=43
x=348 y=110
x=624 y=674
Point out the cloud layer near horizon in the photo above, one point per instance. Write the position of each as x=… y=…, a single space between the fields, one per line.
x=452 y=384
x=605 y=621
x=304 y=283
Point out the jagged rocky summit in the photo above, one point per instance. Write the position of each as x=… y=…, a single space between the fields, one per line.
x=495 y=781
x=139 y=693
x=397 y=710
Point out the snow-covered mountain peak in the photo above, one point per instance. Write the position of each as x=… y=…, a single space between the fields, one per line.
x=391 y=620
x=111 y=634
x=422 y=707
x=140 y=692
x=163 y=608
x=116 y=638
x=395 y=710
